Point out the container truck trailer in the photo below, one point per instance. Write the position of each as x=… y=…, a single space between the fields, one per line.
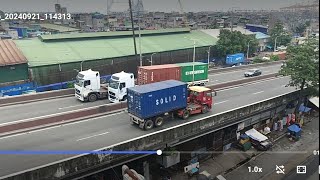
x=181 y=72
x=150 y=105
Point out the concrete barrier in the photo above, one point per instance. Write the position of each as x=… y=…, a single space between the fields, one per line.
x=220 y=70
x=83 y=164
x=6 y=101
x=69 y=92
x=81 y=114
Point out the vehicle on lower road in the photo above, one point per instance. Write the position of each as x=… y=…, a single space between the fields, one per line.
x=149 y=105
x=253 y=72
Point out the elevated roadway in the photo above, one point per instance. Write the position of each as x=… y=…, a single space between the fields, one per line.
x=21 y=112
x=112 y=129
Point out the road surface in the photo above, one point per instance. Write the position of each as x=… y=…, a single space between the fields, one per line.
x=15 y=113
x=111 y=129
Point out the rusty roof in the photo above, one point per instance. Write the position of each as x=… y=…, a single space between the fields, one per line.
x=10 y=54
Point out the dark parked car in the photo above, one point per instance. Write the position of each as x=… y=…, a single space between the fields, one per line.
x=253 y=72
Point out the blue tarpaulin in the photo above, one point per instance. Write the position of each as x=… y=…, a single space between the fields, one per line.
x=294 y=128
x=303 y=108
x=16 y=90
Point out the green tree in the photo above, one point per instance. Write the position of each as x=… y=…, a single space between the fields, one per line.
x=283 y=38
x=235 y=42
x=303 y=68
x=301 y=28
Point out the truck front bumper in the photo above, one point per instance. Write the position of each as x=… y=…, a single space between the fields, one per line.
x=136 y=120
x=80 y=97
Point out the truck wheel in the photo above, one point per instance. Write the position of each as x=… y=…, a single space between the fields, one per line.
x=92 y=97
x=205 y=109
x=186 y=114
x=159 y=121
x=148 y=125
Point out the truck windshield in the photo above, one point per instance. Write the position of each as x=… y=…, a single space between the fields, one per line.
x=114 y=84
x=79 y=81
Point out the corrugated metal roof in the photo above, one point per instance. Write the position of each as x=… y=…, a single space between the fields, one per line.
x=41 y=53
x=59 y=28
x=110 y=34
x=260 y=35
x=216 y=32
x=10 y=54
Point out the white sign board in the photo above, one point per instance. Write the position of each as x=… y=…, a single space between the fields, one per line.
x=190 y=167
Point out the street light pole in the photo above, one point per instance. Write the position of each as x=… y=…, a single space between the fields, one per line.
x=152 y=57
x=81 y=64
x=194 y=59
x=248 y=49
x=209 y=56
x=140 y=45
x=275 y=44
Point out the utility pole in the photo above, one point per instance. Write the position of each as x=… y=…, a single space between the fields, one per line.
x=194 y=58
x=248 y=49
x=133 y=32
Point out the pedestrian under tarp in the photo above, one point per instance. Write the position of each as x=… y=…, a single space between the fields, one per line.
x=294 y=128
x=303 y=108
x=315 y=101
x=256 y=135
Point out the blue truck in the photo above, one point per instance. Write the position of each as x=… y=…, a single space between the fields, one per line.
x=149 y=105
x=235 y=59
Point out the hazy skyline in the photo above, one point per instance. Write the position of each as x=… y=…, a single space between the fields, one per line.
x=150 y=5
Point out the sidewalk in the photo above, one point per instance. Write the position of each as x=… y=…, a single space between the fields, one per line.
x=228 y=161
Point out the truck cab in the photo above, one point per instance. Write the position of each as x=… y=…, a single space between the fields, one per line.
x=200 y=100
x=201 y=95
x=118 y=85
x=88 y=86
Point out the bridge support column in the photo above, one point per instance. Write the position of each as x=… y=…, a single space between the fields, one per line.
x=146 y=170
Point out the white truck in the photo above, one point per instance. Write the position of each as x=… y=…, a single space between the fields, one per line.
x=88 y=86
x=118 y=85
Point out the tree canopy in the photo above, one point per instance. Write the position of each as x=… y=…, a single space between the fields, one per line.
x=303 y=66
x=235 y=42
x=283 y=37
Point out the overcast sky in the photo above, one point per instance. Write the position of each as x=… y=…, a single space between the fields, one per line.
x=150 y=5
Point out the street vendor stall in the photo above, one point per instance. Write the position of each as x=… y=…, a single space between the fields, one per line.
x=294 y=132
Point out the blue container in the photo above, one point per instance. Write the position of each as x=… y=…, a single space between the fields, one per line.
x=154 y=99
x=235 y=59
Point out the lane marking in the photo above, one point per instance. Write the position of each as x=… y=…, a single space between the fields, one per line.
x=221 y=102
x=93 y=136
x=70 y=107
x=240 y=70
x=253 y=83
x=258 y=92
x=55 y=114
x=58 y=126
x=223 y=82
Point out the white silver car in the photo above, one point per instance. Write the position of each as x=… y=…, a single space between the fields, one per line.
x=253 y=72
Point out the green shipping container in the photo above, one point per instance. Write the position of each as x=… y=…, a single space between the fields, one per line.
x=200 y=69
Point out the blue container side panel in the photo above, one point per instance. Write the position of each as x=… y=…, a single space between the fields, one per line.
x=235 y=59
x=157 y=98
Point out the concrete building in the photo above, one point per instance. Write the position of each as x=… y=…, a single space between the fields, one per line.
x=57 y=8
x=257 y=28
x=263 y=41
x=13 y=33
